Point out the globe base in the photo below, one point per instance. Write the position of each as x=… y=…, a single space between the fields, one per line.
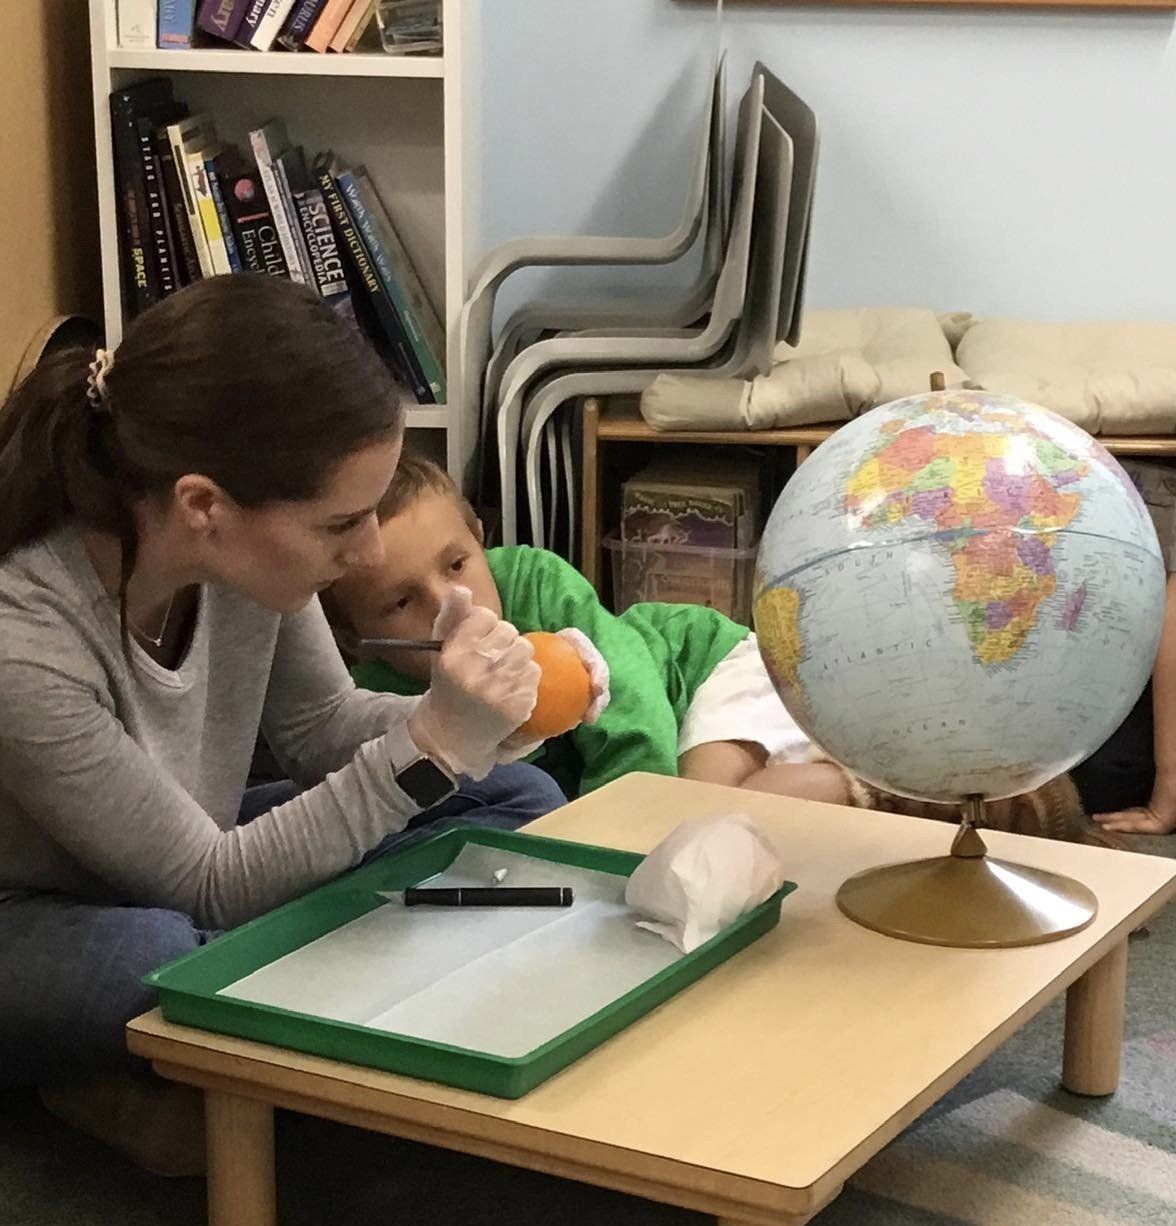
x=967 y=902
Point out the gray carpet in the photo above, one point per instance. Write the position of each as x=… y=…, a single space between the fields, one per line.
x=330 y=1174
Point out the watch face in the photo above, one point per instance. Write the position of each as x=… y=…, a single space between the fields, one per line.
x=425 y=783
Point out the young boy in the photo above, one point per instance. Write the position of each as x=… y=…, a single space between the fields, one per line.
x=689 y=693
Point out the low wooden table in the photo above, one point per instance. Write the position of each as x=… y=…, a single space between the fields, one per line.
x=757 y=1092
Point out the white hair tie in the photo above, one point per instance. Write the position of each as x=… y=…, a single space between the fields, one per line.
x=96 y=380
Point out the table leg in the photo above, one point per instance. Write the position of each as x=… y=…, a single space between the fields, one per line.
x=240 y=1138
x=1094 y=1026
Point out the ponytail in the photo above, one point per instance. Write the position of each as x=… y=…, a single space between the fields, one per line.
x=249 y=380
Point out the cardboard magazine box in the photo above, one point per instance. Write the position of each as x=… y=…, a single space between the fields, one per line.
x=688 y=534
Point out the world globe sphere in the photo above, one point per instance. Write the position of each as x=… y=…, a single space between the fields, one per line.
x=959 y=594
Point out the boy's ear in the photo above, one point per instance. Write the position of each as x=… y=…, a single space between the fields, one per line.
x=480 y=532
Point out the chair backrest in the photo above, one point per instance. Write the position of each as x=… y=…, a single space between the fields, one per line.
x=731 y=285
x=755 y=338
x=797 y=119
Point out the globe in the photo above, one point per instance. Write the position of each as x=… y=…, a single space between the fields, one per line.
x=959 y=594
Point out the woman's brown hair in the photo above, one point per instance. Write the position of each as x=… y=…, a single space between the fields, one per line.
x=249 y=380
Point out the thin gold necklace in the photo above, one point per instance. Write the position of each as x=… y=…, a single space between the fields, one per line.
x=155 y=640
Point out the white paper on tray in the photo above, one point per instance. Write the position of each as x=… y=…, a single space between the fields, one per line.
x=496 y=980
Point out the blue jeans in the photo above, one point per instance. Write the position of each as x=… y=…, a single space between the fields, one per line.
x=70 y=971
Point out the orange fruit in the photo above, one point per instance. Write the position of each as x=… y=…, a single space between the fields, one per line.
x=565 y=687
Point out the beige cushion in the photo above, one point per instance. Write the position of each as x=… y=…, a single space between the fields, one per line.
x=847 y=362
x=1109 y=378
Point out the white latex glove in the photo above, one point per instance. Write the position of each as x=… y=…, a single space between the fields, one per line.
x=485 y=683
x=597 y=668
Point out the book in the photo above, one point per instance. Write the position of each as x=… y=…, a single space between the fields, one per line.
x=292 y=176
x=162 y=247
x=137 y=23
x=407 y=293
x=177 y=18
x=258 y=244
x=270 y=25
x=361 y=274
x=323 y=30
x=187 y=263
x=221 y=18
x=139 y=273
x=184 y=137
x=326 y=261
x=212 y=167
x=426 y=391
x=351 y=28
x=197 y=161
x=268 y=143
x=254 y=12
x=299 y=23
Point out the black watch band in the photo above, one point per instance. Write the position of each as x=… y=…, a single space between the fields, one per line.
x=424 y=782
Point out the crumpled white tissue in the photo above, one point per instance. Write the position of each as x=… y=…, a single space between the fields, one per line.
x=704 y=875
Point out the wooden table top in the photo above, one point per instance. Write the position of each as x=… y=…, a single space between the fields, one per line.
x=778 y=1074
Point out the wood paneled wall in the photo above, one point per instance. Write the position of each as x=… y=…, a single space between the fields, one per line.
x=48 y=201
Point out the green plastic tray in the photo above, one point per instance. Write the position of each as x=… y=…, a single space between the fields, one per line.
x=188 y=986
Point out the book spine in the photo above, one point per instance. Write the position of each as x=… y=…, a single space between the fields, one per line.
x=329 y=20
x=259 y=141
x=356 y=16
x=176 y=21
x=362 y=28
x=270 y=26
x=258 y=244
x=399 y=337
x=209 y=219
x=286 y=191
x=175 y=137
x=222 y=215
x=137 y=23
x=403 y=285
x=187 y=262
x=140 y=280
x=249 y=23
x=297 y=28
x=161 y=246
x=221 y=18
x=329 y=275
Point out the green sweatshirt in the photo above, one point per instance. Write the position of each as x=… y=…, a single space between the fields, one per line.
x=658 y=655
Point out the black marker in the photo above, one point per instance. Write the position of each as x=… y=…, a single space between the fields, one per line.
x=494 y=896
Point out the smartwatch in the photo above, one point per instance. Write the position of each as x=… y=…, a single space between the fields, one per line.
x=425 y=782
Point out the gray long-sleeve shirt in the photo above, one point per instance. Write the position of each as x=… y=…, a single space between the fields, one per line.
x=121 y=783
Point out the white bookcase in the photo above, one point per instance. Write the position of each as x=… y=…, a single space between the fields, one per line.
x=411 y=120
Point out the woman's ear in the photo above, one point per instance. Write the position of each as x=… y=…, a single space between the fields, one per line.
x=200 y=503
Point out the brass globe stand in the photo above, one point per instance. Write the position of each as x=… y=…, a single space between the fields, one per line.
x=966 y=899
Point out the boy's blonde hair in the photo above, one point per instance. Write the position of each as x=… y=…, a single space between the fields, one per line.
x=414 y=476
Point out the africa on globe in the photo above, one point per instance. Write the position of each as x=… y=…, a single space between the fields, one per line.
x=959 y=594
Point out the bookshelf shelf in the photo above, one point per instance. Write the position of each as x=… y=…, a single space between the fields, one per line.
x=418 y=143
x=282 y=63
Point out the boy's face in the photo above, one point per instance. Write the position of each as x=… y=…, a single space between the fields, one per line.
x=428 y=549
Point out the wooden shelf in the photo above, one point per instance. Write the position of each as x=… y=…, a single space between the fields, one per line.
x=624 y=424
x=427 y=417
x=282 y=63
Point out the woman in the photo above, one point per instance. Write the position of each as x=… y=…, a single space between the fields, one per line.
x=167 y=516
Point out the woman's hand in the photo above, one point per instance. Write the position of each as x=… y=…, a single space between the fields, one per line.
x=484 y=685
x=1143 y=819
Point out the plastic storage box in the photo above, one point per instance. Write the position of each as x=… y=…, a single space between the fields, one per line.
x=718 y=578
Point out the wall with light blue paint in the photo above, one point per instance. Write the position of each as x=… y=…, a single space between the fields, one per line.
x=1005 y=162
